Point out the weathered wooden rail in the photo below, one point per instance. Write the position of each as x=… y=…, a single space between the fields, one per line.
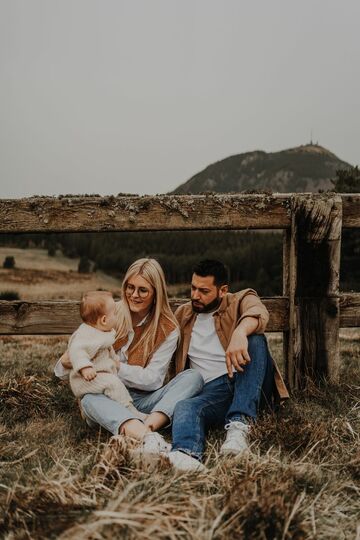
x=311 y=310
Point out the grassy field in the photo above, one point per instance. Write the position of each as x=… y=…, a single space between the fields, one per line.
x=59 y=479
x=301 y=480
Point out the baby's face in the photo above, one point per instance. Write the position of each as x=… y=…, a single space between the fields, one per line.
x=110 y=316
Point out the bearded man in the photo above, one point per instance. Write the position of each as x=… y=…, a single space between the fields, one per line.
x=222 y=337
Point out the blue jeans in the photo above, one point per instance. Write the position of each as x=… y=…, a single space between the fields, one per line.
x=225 y=400
x=99 y=409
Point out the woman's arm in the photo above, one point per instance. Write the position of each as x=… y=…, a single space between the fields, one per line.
x=63 y=366
x=152 y=376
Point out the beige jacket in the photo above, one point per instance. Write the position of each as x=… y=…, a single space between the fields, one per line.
x=233 y=309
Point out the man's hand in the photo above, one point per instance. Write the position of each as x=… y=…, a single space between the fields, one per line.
x=65 y=360
x=88 y=373
x=237 y=352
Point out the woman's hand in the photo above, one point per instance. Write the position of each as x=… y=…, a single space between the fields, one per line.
x=65 y=360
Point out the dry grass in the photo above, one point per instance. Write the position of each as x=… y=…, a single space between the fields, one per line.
x=59 y=479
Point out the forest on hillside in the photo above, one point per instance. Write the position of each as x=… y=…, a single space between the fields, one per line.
x=253 y=258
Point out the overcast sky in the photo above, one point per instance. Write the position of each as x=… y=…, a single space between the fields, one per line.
x=136 y=96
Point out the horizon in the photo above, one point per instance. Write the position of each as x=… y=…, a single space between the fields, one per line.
x=136 y=97
x=130 y=194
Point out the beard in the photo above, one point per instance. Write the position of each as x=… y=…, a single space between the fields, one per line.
x=206 y=308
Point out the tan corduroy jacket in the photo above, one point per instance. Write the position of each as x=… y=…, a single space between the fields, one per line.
x=233 y=309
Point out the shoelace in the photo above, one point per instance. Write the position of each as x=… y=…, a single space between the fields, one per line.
x=237 y=425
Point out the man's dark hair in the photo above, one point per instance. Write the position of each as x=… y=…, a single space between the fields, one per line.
x=210 y=267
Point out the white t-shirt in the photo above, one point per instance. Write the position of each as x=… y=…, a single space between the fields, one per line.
x=206 y=353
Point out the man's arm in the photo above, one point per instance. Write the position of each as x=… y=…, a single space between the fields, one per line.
x=237 y=352
x=253 y=319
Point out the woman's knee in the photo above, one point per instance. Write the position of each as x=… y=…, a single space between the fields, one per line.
x=85 y=401
x=87 y=408
x=194 y=380
x=93 y=404
x=89 y=404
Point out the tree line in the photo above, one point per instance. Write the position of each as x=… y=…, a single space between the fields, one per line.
x=253 y=258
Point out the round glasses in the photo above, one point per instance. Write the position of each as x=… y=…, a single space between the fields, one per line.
x=143 y=292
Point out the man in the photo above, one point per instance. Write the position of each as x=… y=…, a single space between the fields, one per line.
x=222 y=338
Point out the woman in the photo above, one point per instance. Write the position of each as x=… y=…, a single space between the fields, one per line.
x=147 y=335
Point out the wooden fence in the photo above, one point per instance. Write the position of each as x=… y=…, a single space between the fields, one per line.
x=311 y=310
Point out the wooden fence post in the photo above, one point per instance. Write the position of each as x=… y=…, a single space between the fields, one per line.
x=289 y=282
x=311 y=280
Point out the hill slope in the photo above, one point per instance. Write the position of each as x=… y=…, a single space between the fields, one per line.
x=305 y=168
x=37 y=276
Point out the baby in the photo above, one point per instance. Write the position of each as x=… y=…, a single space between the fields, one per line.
x=94 y=361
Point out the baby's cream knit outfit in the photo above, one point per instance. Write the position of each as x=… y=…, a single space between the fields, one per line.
x=90 y=347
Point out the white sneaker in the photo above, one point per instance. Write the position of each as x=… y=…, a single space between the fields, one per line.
x=184 y=462
x=236 y=441
x=154 y=443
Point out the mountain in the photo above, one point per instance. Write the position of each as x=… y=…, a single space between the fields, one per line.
x=305 y=168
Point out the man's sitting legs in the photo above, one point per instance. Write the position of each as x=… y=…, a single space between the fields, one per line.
x=233 y=402
x=249 y=386
x=193 y=417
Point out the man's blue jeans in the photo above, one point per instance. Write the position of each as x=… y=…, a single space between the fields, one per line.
x=225 y=400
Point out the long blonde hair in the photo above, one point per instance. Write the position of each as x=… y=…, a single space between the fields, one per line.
x=150 y=270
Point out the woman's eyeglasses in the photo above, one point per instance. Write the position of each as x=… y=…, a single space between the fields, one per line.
x=143 y=292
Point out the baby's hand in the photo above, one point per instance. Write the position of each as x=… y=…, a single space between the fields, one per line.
x=88 y=373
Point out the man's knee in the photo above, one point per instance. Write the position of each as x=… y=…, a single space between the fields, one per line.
x=257 y=339
x=184 y=409
x=257 y=346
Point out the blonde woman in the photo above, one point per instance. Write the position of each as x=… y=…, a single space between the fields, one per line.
x=146 y=338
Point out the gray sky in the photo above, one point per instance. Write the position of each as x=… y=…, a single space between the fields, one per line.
x=109 y=96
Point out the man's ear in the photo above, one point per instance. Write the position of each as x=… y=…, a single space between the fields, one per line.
x=223 y=290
